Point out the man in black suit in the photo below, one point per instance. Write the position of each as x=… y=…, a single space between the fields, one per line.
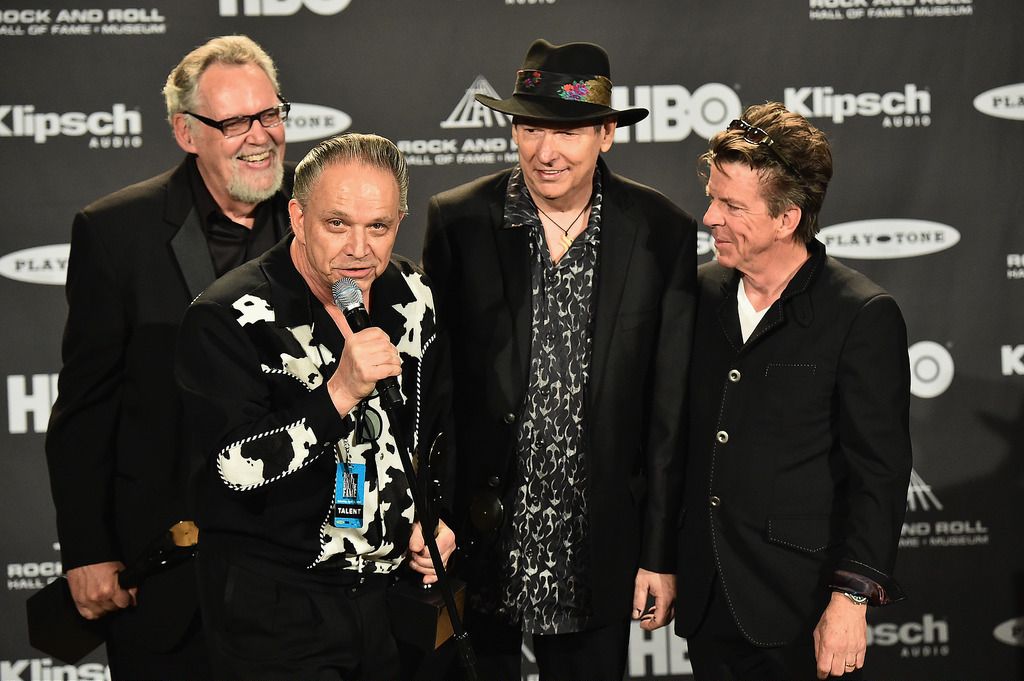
x=138 y=257
x=799 y=452
x=568 y=292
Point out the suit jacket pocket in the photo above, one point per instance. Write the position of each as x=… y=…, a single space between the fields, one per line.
x=790 y=371
x=810 y=533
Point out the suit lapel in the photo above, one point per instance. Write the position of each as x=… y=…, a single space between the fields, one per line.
x=514 y=256
x=620 y=222
x=189 y=243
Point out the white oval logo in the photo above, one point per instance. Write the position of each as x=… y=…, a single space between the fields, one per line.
x=1010 y=632
x=1002 y=102
x=37 y=265
x=309 y=122
x=931 y=369
x=889 y=238
x=703 y=242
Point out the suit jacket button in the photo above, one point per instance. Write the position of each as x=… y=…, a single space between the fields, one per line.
x=510 y=418
x=715 y=501
x=494 y=481
x=722 y=436
x=735 y=375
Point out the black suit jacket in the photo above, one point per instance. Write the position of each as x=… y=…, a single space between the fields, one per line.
x=114 y=443
x=799 y=454
x=642 y=327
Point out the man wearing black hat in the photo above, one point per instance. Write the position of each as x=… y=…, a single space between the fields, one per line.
x=568 y=292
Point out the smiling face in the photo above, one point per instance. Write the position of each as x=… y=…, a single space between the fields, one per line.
x=745 y=233
x=558 y=161
x=239 y=171
x=347 y=227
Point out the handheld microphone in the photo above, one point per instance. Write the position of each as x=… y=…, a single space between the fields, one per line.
x=349 y=300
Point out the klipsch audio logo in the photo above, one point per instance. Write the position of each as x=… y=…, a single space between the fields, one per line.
x=928 y=637
x=1002 y=102
x=907 y=108
x=118 y=128
x=280 y=8
x=888 y=238
x=46 y=670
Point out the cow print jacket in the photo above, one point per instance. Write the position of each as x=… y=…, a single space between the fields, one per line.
x=255 y=352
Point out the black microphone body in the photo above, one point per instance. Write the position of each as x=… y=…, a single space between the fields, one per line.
x=351 y=305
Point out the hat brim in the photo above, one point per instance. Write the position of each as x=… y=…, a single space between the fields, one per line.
x=553 y=109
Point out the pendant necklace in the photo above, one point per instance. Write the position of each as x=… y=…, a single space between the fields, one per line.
x=564 y=240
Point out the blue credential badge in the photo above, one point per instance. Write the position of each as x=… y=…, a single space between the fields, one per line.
x=349 y=483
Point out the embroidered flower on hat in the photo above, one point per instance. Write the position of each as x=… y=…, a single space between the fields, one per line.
x=532 y=80
x=576 y=91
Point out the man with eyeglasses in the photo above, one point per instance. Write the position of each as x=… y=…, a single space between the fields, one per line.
x=800 y=453
x=138 y=257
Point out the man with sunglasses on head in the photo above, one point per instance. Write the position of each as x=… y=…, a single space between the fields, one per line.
x=799 y=454
x=138 y=257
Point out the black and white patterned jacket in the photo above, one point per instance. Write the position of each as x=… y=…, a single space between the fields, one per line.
x=254 y=354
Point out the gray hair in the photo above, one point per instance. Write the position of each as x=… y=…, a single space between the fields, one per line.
x=180 y=91
x=371 y=150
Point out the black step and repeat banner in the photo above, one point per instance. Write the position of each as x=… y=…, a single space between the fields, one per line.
x=922 y=99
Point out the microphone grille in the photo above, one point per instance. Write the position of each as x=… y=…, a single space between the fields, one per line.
x=346 y=294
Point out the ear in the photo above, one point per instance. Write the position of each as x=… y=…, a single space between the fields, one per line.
x=790 y=221
x=183 y=133
x=296 y=215
x=608 y=134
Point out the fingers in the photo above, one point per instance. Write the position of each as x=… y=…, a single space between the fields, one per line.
x=639 y=599
x=95 y=590
x=419 y=555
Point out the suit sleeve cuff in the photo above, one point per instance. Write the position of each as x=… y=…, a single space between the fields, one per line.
x=879 y=588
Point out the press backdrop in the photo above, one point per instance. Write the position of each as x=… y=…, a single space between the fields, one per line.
x=923 y=101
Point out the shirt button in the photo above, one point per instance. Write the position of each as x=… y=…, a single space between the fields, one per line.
x=494 y=481
x=715 y=501
x=735 y=376
x=509 y=418
x=722 y=436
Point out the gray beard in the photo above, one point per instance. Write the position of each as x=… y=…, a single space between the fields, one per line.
x=241 y=190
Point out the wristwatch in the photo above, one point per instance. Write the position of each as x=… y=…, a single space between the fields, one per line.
x=856 y=598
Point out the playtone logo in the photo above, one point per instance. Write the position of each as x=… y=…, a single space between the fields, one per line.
x=307 y=122
x=1002 y=102
x=910 y=108
x=37 y=265
x=22 y=120
x=1010 y=632
x=280 y=8
x=883 y=239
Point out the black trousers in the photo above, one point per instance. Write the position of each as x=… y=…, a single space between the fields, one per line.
x=719 y=652
x=594 y=655
x=186 y=660
x=267 y=624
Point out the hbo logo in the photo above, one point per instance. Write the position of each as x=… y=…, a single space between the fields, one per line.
x=675 y=112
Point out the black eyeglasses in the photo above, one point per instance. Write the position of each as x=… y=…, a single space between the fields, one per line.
x=239 y=125
x=758 y=136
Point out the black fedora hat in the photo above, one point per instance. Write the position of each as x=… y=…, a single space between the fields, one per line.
x=568 y=83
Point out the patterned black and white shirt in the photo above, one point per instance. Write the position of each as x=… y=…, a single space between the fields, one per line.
x=548 y=550
x=255 y=355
